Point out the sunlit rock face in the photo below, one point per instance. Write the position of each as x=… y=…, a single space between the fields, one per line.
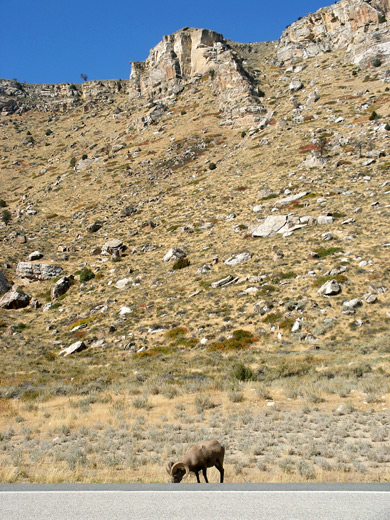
x=188 y=55
x=357 y=26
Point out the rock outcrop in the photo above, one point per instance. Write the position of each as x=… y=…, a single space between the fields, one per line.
x=14 y=300
x=188 y=55
x=16 y=97
x=4 y=284
x=34 y=271
x=357 y=26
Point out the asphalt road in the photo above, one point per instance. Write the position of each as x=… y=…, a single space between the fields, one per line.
x=193 y=502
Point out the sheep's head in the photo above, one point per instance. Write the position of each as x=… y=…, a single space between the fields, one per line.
x=177 y=471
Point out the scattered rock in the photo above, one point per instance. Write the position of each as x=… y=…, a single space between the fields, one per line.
x=72 y=349
x=61 y=287
x=370 y=298
x=14 y=300
x=296 y=85
x=174 y=254
x=291 y=198
x=38 y=271
x=92 y=228
x=238 y=258
x=128 y=211
x=224 y=281
x=4 y=284
x=36 y=255
x=124 y=283
x=330 y=288
x=113 y=247
x=125 y=310
x=324 y=220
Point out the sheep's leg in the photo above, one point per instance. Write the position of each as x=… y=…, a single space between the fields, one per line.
x=197 y=476
x=221 y=470
x=204 y=470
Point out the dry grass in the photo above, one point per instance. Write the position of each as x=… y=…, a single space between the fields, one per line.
x=119 y=415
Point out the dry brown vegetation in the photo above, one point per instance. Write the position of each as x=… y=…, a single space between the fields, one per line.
x=289 y=406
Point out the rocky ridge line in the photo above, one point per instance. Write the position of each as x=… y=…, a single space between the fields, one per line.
x=360 y=27
x=188 y=55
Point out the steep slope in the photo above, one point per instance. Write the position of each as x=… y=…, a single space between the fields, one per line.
x=359 y=27
x=277 y=314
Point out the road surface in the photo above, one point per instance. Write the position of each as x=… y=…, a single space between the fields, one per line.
x=193 y=502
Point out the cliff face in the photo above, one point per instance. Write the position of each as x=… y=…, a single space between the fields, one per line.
x=187 y=55
x=16 y=97
x=357 y=26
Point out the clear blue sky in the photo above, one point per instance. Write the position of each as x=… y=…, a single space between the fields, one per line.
x=52 y=41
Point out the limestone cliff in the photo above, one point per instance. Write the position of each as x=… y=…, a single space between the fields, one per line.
x=16 y=97
x=358 y=26
x=187 y=55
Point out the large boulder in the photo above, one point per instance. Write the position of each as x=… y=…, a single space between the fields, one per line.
x=78 y=346
x=14 y=300
x=174 y=254
x=330 y=288
x=34 y=271
x=61 y=287
x=4 y=284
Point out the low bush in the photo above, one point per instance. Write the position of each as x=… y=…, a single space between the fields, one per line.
x=181 y=263
x=86 y=274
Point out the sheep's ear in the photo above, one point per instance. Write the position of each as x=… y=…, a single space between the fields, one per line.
x=169 y=467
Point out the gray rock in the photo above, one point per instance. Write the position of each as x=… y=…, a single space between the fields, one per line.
x=224 y=281
x=61 y=287
x=4 y=284
x=370 y=298
x=75 y=347
x=38 y=271
x=113 y=247
x=36 y=255
x=351 y=305
x=330 y=288
x=324 y=220
x=296 y=85
x=128 y=211
x=124 y=283
x=174 y=254
x=238 y=258
x=92 y=228
x=14 y=300
x=291 y=198
x=270 y=226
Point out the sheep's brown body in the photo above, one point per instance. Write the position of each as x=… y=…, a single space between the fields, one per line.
x=199 y=458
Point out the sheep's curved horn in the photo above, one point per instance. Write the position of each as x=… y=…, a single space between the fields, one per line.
x=169 y=467
x=180 y=465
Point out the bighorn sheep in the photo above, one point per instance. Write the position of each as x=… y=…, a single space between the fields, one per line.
x=198 y=457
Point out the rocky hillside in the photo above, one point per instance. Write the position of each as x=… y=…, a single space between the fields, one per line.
x=230 y=202
x=126 y=172
x=358 y=27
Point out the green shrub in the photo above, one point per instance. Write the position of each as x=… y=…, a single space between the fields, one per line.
x=377 y=62
x=5 y=216
x=323 y=252
x=181 y=263
x=73 y=162
x=373 y=116
x=84 y=156
x=86 y=274
x=212 y=166
x=48 y=132
x=243 y=373
x=387 y=127
x=3 y=204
